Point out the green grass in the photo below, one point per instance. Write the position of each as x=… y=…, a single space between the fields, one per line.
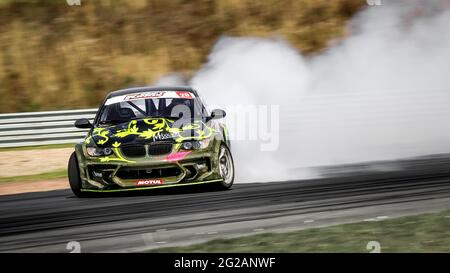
x=35 y=177
x=423 y=233
x=38 y=147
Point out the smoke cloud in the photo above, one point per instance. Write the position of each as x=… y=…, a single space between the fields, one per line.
x=383 y=93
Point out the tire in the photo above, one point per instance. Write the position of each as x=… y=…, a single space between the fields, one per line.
x=226 y=162
x=73 y=172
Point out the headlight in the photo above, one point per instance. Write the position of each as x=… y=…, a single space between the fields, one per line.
x=195 y=145
x=187 y=145
x=204 y=143
x=95 y=152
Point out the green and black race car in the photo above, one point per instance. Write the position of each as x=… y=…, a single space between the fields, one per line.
x=151 y=137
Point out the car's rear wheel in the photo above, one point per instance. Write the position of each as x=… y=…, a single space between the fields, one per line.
x=226 y=168
x=74 y=176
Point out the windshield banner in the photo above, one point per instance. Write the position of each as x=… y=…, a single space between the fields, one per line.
x=151 y=95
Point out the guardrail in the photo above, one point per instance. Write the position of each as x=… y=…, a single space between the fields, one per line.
x=42 y=128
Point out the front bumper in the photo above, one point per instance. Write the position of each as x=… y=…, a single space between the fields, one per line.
x=197 y=167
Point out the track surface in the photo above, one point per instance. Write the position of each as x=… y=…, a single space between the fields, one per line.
x=40 y=222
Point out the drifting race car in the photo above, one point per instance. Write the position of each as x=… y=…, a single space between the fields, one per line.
x=148 y=138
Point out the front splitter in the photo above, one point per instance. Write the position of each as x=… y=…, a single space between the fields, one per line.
x=154 y=187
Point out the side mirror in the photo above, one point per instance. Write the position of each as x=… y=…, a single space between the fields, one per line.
x=218 y=114
x=83 y=123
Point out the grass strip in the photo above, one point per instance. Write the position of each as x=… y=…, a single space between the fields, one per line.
x=38 y=147
x=35 y=177
x=421 y=233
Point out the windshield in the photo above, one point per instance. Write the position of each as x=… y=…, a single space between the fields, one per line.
x=136 y=106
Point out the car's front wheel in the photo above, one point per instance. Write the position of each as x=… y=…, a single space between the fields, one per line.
x=226 y=168
x=74 y=176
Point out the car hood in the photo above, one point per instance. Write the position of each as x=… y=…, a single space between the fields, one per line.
x=144 y=131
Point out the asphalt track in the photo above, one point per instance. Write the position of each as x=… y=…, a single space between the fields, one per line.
x=47 y=221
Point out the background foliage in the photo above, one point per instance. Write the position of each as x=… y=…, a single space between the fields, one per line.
x=55 y=56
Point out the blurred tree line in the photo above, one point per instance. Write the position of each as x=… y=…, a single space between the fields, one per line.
x=56 y=56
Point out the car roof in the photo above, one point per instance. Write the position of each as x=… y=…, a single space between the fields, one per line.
x=149 y=89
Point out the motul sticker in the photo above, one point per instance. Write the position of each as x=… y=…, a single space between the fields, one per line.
x=149 y=182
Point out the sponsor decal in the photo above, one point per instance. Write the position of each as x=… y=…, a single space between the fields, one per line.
x=147 y=95
x=184 y=94
x=149 y=182
x=162 y=136
x=151 y=95
x=177 y=156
